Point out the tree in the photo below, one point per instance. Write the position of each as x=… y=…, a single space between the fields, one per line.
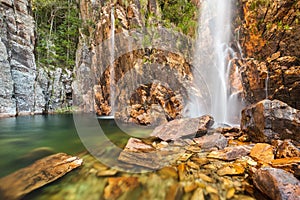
x=57 y=24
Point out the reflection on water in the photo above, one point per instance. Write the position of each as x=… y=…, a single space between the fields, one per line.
x=28 y=138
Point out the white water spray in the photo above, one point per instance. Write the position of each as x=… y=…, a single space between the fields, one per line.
x=211 y=63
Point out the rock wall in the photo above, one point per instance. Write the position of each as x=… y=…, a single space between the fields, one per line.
x=93 y=67
x=269 y=36
x=25 y=89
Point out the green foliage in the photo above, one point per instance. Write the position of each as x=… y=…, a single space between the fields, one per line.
x=181 y=13
x=57 y=23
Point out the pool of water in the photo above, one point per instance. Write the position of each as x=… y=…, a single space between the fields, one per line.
x=28 y=138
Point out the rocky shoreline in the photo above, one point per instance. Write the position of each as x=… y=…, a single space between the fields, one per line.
x=188 y=159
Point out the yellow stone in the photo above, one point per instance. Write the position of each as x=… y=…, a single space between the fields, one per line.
x=262 y=152
x=181 y=171
x=190 y=187
x=167 y=172
x=232 y=169
x=230 y=193
x=205 y=178
x=192 y=165
x=198 y=194
x=200 y=161
x=211 y=190
x=110 y=172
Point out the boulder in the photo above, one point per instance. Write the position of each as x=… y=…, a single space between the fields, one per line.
x=271 y=120
x=277 y=184
x=186 y=127
x=44 y=171
x=215 y=140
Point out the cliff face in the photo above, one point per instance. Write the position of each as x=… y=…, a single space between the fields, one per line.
x=269 y=36
x=18 y=70
x=93 y=70
x=24 y=89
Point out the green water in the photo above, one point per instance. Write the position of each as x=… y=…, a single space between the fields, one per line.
x=28 y=138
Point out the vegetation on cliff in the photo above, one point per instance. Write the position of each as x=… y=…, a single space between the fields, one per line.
x=57 y=24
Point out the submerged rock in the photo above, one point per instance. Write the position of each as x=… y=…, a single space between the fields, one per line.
x=40 y=173
x=277 y=184
x=271 y=120
x=187 y=127
x=117 y=186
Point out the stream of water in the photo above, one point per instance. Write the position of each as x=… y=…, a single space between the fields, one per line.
x=211 y=62
x=26 y=139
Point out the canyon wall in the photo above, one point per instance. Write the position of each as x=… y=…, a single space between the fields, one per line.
x=269 y=33
x=92 y=91
x=25 y=88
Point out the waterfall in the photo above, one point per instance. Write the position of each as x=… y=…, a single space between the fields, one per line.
x=212 y=66
x=112 y=55
x=266 y=84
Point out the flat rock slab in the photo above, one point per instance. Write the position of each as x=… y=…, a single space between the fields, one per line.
x=46 y=170
x=277 y=184
x=145 y=155
x=231 y=153
x=215 y=140
x=186 y=127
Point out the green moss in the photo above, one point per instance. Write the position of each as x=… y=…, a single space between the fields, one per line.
x=181 y=14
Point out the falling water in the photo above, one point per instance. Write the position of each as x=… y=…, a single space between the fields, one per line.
x=112 y=55
x=266 y=84
x=211 y=62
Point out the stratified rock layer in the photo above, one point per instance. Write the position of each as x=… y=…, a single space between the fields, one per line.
x=24 y=88
x=271 y=120
x=269 y=33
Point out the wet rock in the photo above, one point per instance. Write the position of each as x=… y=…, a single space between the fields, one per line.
x=187 y=127
x=110 y=172
x=231 y=153
x=175 y=192
x=262 y=152
x=231 y=169
x=277 y=184
x=288 y=164
x=215 y=140
x=198 y=194
x=271 y=120
x=40 y=173
x=286 y=149
x=167 y=172
x=120 y=185
x=137 y=145
x=200 y=161
x=140 y=154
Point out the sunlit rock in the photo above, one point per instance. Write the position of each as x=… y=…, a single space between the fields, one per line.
x=119 y=185
x=46 y=170
x=231 y=153
x=277 y=183
x=187 y=127
x=263 y=153
x=215 y=140
x=271 y=120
